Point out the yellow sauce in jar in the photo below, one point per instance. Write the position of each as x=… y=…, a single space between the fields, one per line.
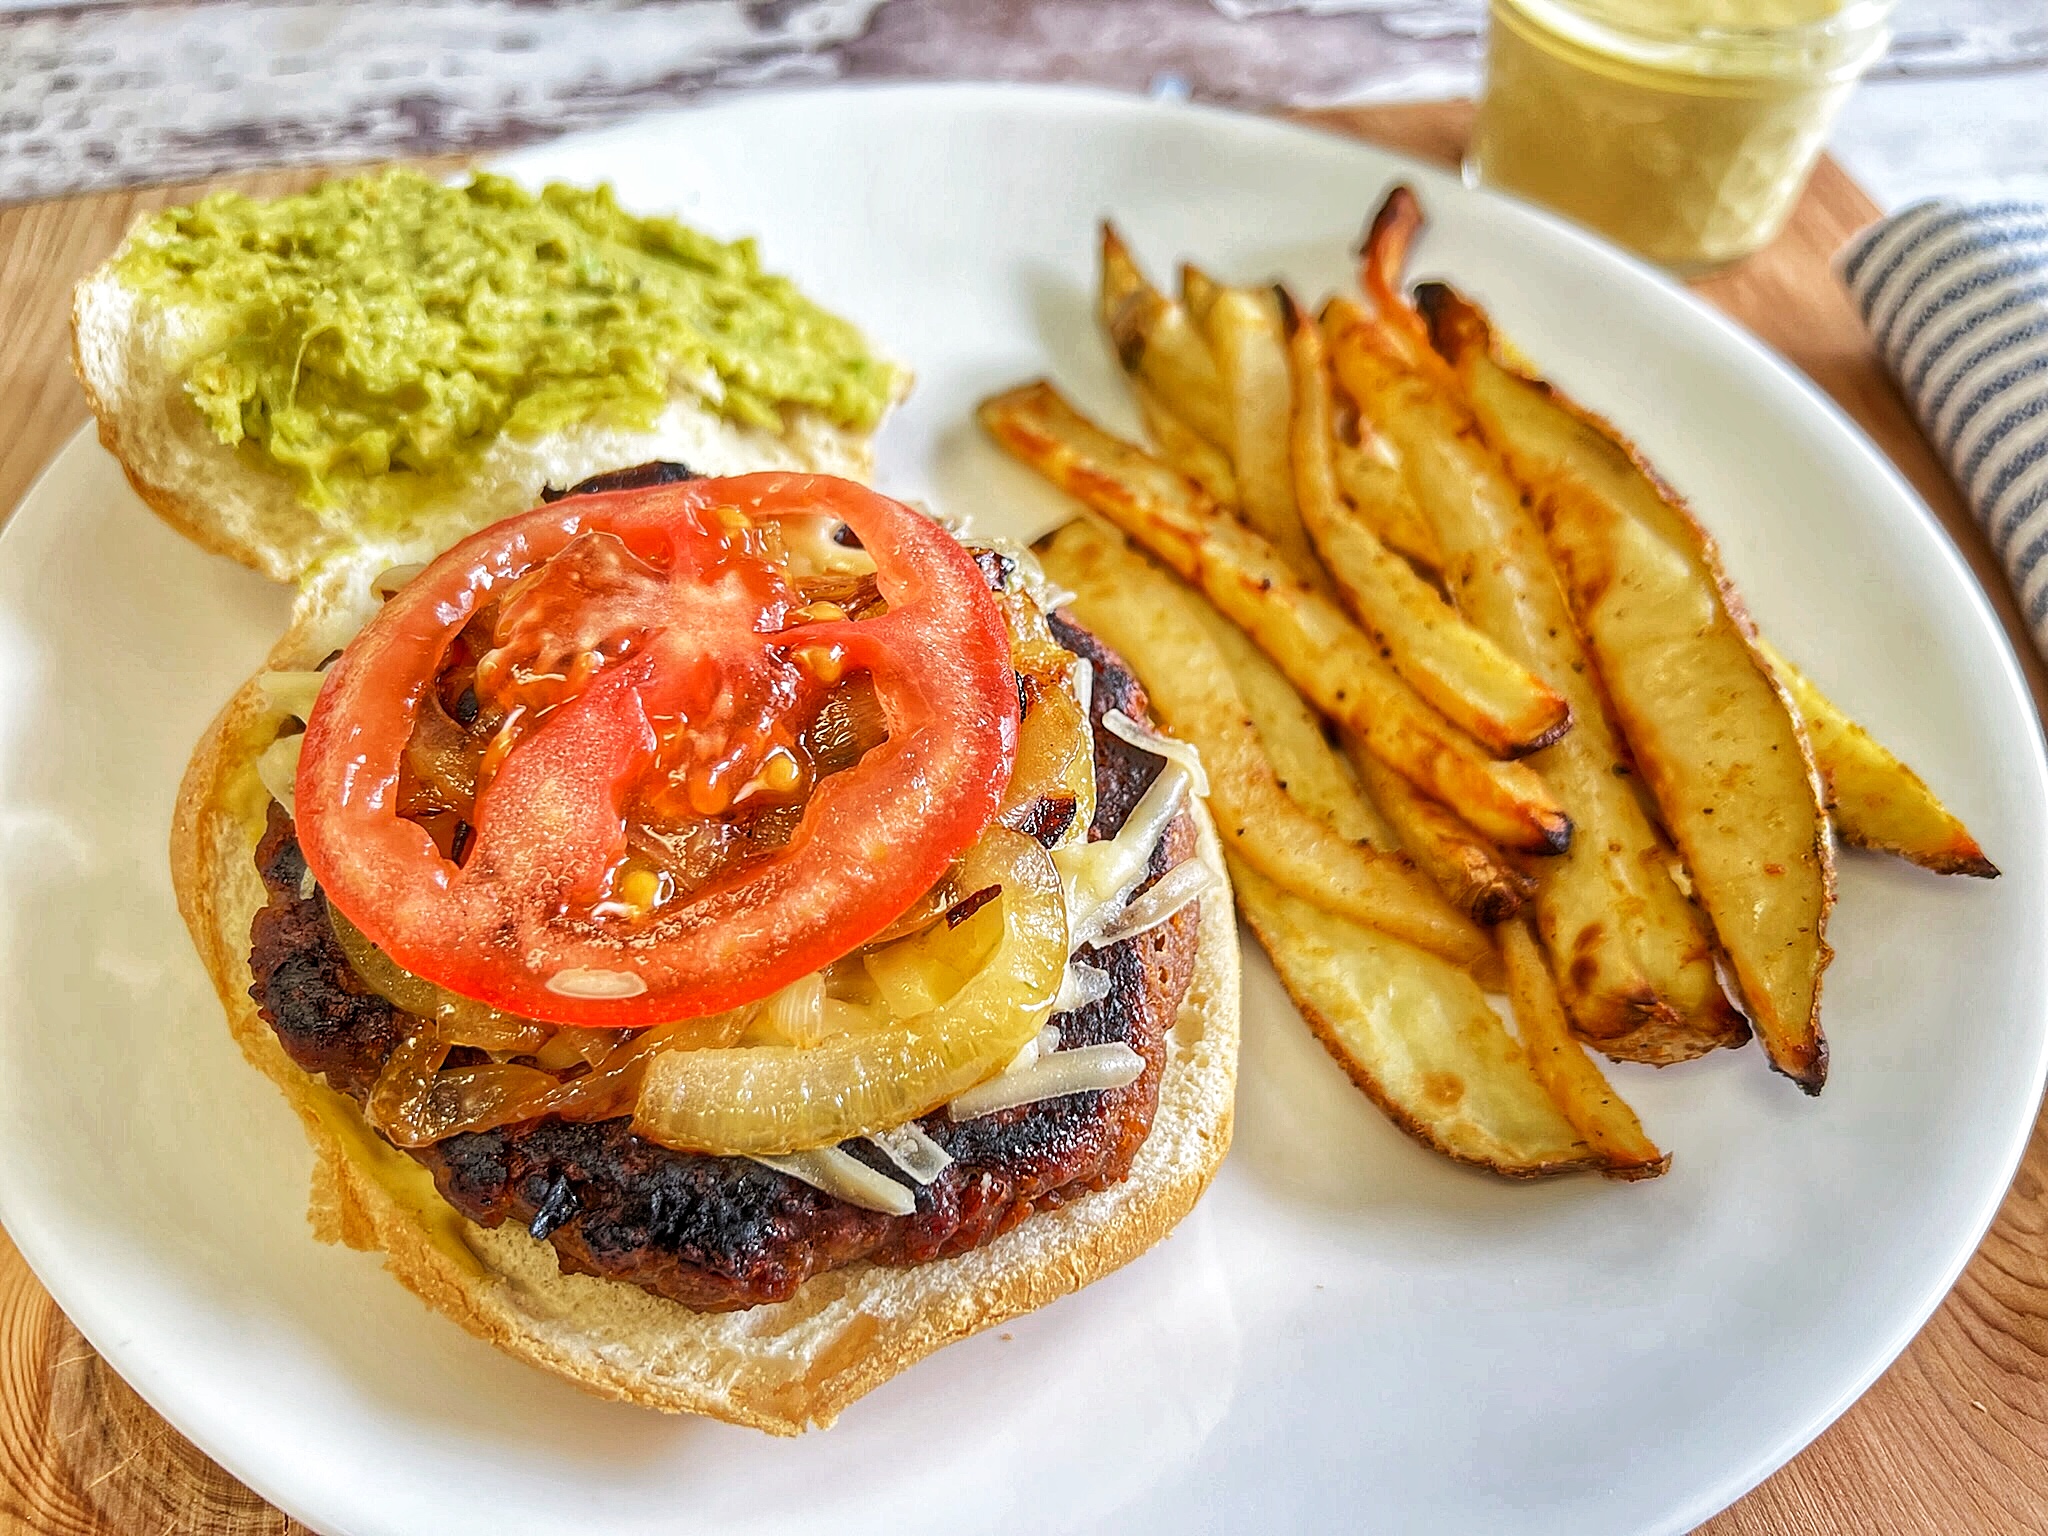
x=1683 y=129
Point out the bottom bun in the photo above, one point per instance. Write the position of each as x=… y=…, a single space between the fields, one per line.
x=784 y=1366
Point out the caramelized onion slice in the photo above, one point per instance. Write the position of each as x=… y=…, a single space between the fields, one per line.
x=850 y=725
x=418 y=1100
x=398 y=1104
x=464 y=1099
x=458 y=1020
x=768 y=1100
x=1055 y=756
x=442 y=757
x=926 y=970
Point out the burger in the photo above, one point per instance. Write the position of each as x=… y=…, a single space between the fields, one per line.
x=726 y=935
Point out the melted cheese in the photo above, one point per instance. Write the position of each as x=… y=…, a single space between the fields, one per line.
x=1099 y=877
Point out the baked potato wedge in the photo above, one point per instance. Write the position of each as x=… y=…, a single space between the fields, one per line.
x=1198 y=291
x=1465 y=867
x=1369 y=479
x=1309 y=769
x=1875 y=800
x=1149 y=618
x=1244 y=331
x=1575 y=1083
x=1713 y=733
x=1322 y=652
x=1633 y=958
x=1157 y=343
x=1415 y=1033
x=1184 y=448
x=1333 y=787
x=1453 y=666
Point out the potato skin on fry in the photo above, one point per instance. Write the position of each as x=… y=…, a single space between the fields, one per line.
x=1322 y=652
x=1198 y=291
x=1634 y=958
x=1147 y=616
x=1465 y=868
x=1415 y=1034
x=1244 y=331
x=1875 y=800
x=1369 y=479
x=1157 y=343
x=1574 y=1082
x=1713 y=733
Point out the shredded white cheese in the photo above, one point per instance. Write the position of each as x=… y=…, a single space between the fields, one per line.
x=845 y=1176
x=1123 y=727
x=388 y=583
x=591 y=981
x=1024 y=1060
x=1086 y=1069
x=1083 y=986
x=808 y=540
x=1185 y=882
x=1099 y=877
x=1083 y=680
x=910 y=1149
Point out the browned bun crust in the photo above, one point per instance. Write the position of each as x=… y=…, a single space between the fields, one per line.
x=782 y=1367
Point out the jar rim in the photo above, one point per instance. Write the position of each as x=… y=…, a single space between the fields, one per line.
x=1844 y=42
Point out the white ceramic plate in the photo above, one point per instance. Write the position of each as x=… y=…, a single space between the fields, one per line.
x=1348 y=1333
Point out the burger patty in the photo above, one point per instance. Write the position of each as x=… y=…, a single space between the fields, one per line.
x=720 y=1233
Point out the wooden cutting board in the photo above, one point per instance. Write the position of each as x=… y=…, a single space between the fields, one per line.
x=1954 y=1438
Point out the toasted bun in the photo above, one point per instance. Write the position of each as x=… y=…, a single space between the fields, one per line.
x=782 y=1367
x=130 y=352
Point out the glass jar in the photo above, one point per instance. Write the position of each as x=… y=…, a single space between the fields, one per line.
x=1683 y=129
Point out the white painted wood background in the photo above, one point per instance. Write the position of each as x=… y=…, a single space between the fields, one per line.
x=106 y=94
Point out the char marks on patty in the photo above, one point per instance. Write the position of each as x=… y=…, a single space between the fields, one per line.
x=723 y=1233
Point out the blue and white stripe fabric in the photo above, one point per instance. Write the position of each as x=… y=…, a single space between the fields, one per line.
x=1956 y=297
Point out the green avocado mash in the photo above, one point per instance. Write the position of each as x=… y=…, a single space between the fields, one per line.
x=379 y=332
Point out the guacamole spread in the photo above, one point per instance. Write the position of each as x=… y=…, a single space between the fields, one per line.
x=379 y=332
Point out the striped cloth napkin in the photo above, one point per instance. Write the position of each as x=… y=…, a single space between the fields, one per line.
x=1956 y=297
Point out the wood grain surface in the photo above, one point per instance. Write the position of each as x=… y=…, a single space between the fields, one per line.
x=1953 y=1439
x=129 y=92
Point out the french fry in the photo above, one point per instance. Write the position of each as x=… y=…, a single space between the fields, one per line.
x=1369 y=478
x=1251 y=355
x=1393 y=814
x=1575 y=1083
x=1184 y=448
x=1152 y=620
x=1323 y=653
x=1634 y=958
x=1415 y=1033
x=1452 y=665
x=1308 y=767
x=1876 y=800
x=1713 y=734
x=1465 y=867
x=1157 y=343
x=1198 y=291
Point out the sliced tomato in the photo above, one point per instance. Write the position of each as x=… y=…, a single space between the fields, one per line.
x=649 y=647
